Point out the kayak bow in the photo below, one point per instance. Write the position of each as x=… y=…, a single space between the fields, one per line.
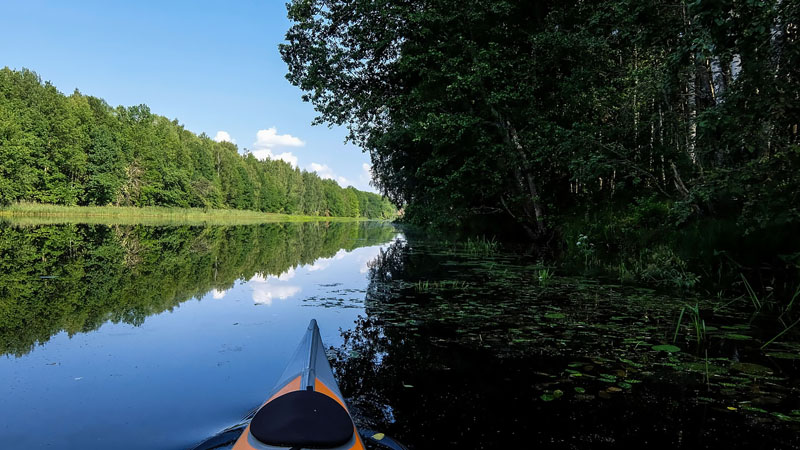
x=305 y=410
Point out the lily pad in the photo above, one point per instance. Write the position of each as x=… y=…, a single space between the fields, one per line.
x=751 y=368
x=737 y=337
x=784 y=355
x=554 y=316
x=666 y=348
x=701 y=367
x=752 y=409
x=786 y=418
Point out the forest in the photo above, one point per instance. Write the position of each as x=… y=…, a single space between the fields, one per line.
x=639 y=114
x=78 y=150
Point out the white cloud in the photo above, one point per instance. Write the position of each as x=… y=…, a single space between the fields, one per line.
x=288 y=275
x=326 y=173
x=365 y=177
x=267 y=154
x=320 y=264
x=322 y=170
x=217 y=294
x=267 y=140
x=223 y=136
x=270 y=138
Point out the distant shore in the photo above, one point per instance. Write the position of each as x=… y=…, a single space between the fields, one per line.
x=31 y=213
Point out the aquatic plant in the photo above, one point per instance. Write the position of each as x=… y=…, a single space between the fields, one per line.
x=751 y=294
x=425 y=286
x=586 y=249
x=698 y=323
x=780 y=334
x=545 y=276
x=794 y=297
x=481 y=246
x=664 y=267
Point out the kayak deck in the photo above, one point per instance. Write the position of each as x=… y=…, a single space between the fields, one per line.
x=305 y=409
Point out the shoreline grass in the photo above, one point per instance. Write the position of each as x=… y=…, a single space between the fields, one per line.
x=39 y=213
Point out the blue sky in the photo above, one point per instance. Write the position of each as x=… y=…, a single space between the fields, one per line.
x=214 y=66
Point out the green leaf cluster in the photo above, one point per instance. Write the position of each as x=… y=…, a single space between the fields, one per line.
x=532 y=111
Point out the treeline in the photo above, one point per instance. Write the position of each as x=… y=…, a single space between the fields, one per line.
x=660 y=111
x=97 y=273
x=78 y=150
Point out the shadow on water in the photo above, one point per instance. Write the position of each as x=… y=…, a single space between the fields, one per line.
x=461 y=349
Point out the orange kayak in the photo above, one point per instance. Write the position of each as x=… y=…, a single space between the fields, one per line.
x=305 y=410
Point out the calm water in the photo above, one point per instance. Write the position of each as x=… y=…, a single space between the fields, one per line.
x=161 y=337
x=155 y=338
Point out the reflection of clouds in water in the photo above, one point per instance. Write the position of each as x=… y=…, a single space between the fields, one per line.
x=324 y=263
x=265 y=288
x=288 y=275
x=217 y=294
x=320 y=264
x=263 y=294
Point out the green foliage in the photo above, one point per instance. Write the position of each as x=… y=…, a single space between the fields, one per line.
x=662 y=266
x=536 y=110
x=77 y=150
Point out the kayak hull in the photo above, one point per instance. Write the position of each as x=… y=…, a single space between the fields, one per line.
x=308 y=369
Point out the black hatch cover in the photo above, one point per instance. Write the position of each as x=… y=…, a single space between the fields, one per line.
x=305 y=419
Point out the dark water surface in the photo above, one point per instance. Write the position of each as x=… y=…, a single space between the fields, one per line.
x=160 y=337
x=464 y=348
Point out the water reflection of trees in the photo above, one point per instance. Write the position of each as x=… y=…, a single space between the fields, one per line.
x=75 y=277
x=413 y=368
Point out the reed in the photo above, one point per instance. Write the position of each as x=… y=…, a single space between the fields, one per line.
x=751 y=293
x=545 y=276
x=38 y=213
x=481 y=246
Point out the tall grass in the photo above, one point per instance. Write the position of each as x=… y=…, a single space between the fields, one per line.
x=481 y=246
x=545 y=276
x=36 y=213
x=794 y=297
x=698 y=324
x=752 y=294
